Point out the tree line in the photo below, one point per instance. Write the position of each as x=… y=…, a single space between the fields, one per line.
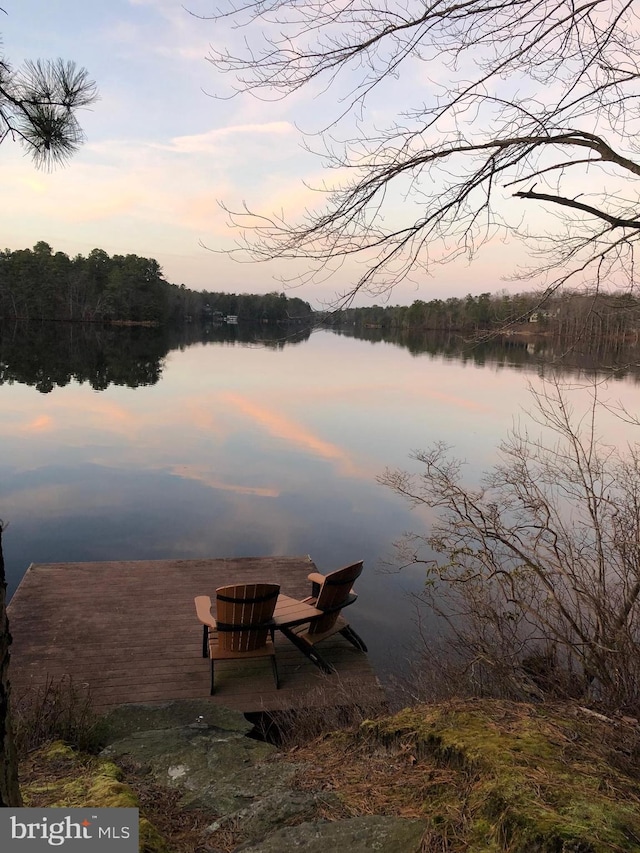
x=38 y=284
x=187 y=306
x=591 y=316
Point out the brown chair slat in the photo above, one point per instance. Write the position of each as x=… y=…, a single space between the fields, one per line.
x=330 y=594
x=245 y=612
x=243 y=622
x=335 y=593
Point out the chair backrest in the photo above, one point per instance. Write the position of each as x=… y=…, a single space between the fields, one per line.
x=335 y=593
x=243 y=615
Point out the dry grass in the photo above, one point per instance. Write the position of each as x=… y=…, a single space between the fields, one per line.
x=382 y=782
x=55 y=775
x=59 y=710
x=489 y=776
x=339 y=707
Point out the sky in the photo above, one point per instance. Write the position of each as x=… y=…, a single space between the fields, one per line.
x=162 y=153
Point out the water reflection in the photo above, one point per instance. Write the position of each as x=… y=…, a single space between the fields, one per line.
x=50 y=355
x=237 y=441
x=540 y=354
x=269 y=335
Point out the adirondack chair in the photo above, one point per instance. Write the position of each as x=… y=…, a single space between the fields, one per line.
x=329 y=593
x=243 y=625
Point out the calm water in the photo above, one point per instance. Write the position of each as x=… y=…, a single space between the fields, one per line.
x=137 y=445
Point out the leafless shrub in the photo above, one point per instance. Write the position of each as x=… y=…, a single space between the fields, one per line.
x=320 y=711
x=536 y=572
x=58 y=710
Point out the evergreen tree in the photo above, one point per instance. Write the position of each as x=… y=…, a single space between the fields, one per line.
x=38 y=104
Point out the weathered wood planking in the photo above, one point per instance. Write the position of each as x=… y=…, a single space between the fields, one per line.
x=128 y=632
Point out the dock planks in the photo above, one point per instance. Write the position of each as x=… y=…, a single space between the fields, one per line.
x=128 y=632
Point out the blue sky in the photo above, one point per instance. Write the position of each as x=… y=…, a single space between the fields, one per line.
x=162 y=153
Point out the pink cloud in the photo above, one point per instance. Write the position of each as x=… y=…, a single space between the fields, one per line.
x=280 y=426
x=42 y=423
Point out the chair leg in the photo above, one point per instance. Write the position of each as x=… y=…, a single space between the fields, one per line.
x=212 y=689
x=205 y=641
x=276 y=678
x=309 y=651
x=353 y=638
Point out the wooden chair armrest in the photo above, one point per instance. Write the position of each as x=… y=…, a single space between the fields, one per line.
x=203 y=611
x=316 y=583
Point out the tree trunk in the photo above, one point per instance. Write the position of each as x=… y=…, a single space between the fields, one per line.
x=9 y=790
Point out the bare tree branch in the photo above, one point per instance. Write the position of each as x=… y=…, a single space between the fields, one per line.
x=614 y=221
x=553 y=78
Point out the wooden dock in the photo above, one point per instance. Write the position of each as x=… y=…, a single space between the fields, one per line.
x=127 y=632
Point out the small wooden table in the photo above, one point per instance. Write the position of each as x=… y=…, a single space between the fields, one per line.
x=288 y=613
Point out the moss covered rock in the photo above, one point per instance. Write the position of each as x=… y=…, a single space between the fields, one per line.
x=522 y=778
x=60 y=776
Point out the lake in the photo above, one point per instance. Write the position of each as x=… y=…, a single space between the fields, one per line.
x=140 y=444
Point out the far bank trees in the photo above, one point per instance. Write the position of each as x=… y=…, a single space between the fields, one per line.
x=516 y=119
x=572 y=316
x=40 y=284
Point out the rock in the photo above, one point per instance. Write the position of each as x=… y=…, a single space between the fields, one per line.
x=206 y=754
x=357 y=835
x=212 y=766
x=271 y=810
x=196 y=713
